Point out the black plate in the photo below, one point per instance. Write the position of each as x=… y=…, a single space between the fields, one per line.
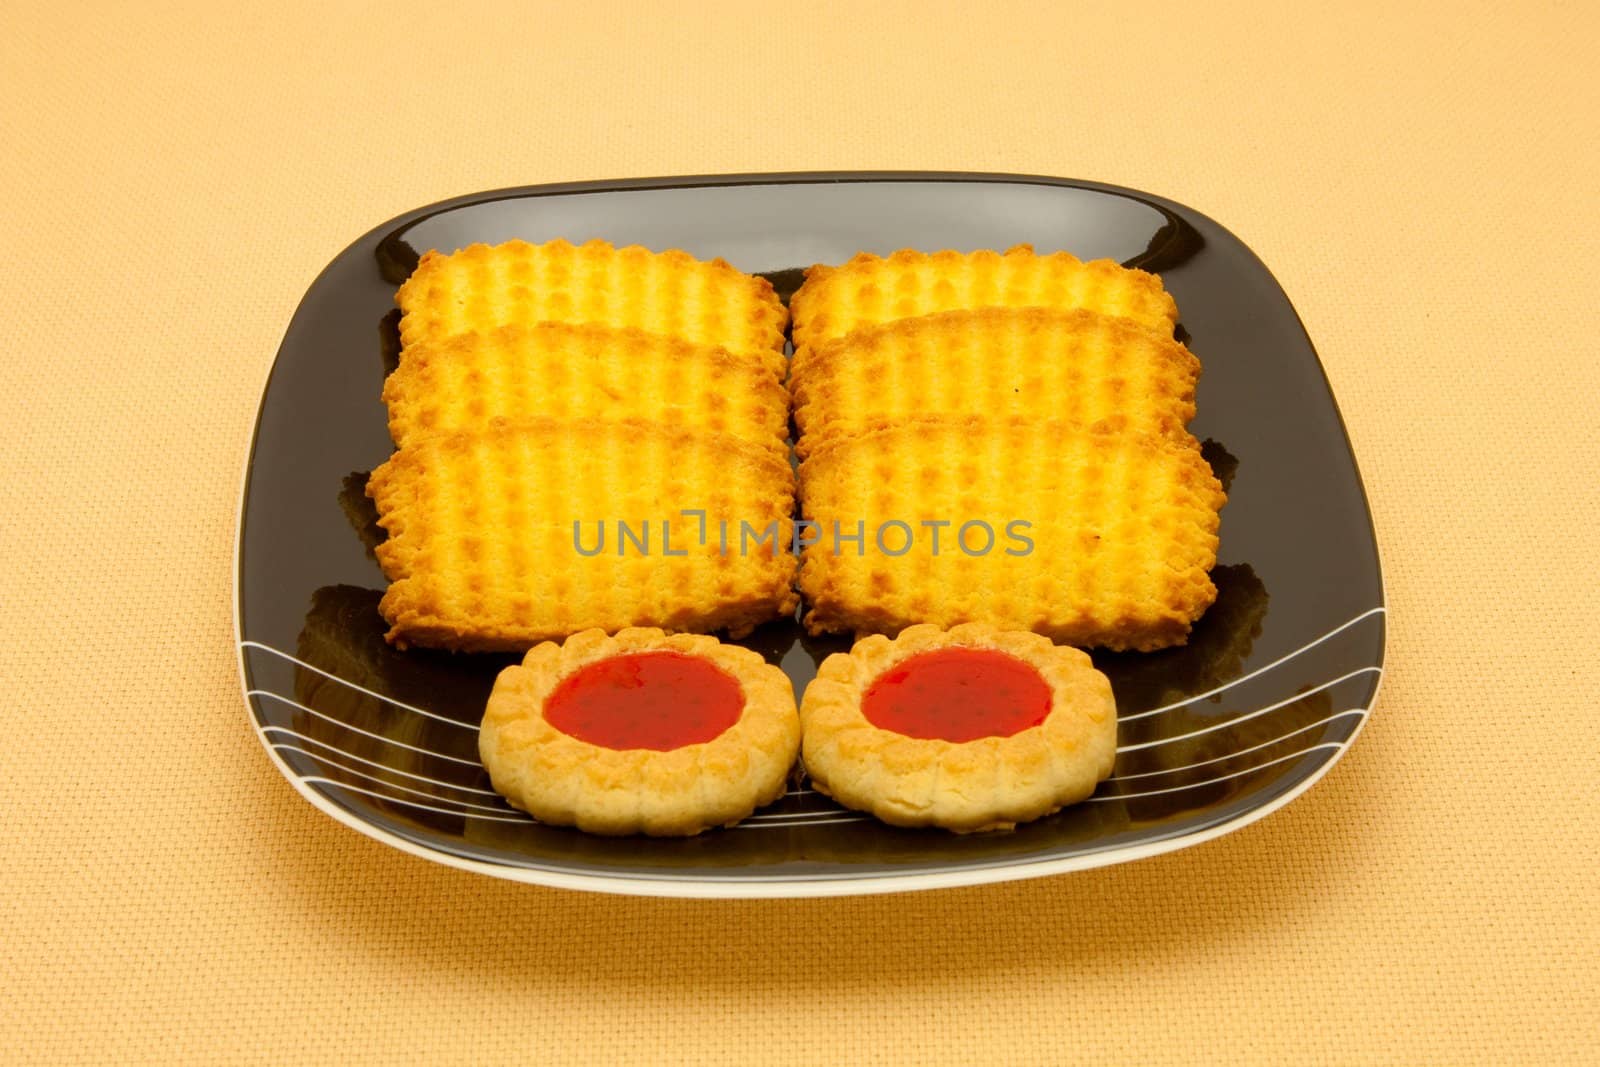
x=1273 y=686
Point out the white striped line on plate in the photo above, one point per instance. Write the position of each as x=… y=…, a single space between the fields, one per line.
x=414 y=804
x=1222 y=778
x=361 y=689
x=1249 y=715
x=284 y=746
x=368 y=762
x=1259 y=670
x=1241 y=752
x=755 y=823
x=788 y=816
x=1126 y=718
x=357 y=729
x=825 y=818
x=821 y=819
x=803 y=792
x=431 y=796
x=785 y=816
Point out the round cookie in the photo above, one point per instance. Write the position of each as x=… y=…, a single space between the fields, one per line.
x=643 y=732
x=972 y=728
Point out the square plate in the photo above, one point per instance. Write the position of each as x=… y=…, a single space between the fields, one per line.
x=1274 y=684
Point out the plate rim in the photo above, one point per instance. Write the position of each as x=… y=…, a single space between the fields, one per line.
x=721 y=888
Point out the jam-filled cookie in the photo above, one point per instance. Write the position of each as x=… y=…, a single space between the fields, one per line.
x=643 y=732
x=971 y=728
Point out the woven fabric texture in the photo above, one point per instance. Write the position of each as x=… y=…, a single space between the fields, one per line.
x=1420 y=178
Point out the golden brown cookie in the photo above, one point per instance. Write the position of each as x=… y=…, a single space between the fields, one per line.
x=870 y=289
x=516 y=283
x=971 y=728
x=520 y=532
x=1091 y=537
x=643 y=732
x=561 y=370
x=1034 y=362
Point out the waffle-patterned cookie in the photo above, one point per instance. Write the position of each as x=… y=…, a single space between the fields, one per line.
x=970 y=729
x=669 y=293
x=582 y=371
x=640 y=733
x=503 y=537
x=1093 y=538
x=870 y=289
x=1034 y=362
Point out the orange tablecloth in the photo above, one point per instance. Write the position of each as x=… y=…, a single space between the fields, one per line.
x=1423 y=183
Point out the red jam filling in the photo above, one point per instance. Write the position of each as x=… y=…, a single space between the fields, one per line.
x=958 y=694
x=657 y=700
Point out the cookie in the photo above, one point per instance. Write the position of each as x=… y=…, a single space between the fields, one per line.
x=868 y=289
x=641 y=733
x=970 y=729
x=512 y=534
x=1090 y=536
x=670 y=293
x=1032 y=362
x=561 y=370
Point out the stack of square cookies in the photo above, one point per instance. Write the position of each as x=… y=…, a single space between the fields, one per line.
x=557 y=410
x=1000 y=438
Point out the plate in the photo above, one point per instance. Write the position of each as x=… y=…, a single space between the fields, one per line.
x=1272 y=688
